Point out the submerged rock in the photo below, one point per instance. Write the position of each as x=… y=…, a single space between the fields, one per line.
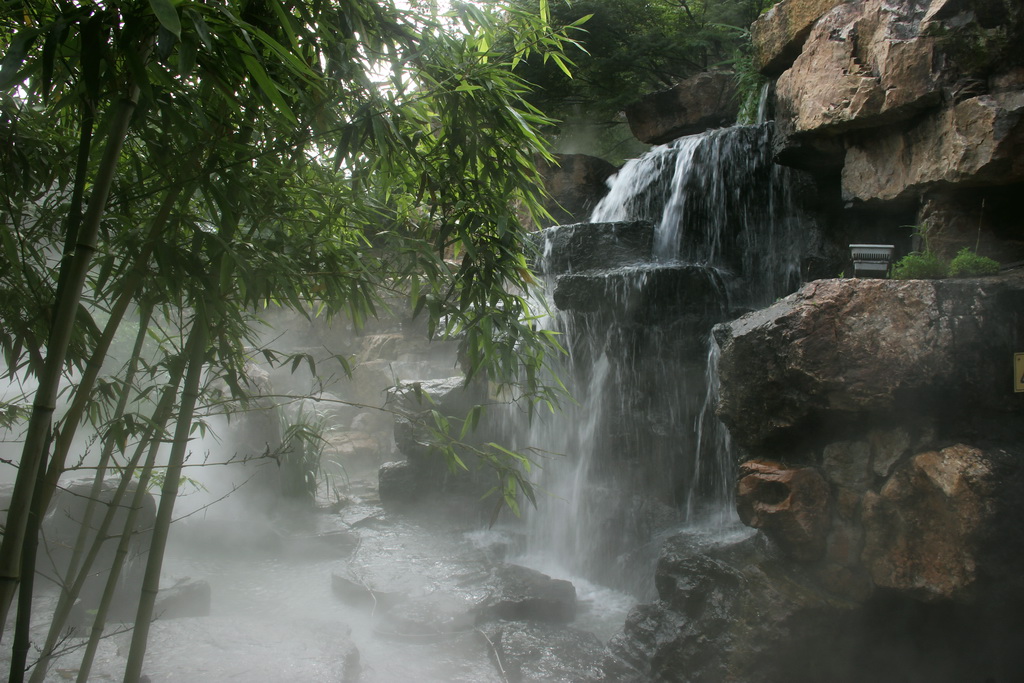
x=433 y=615
x=186 y=598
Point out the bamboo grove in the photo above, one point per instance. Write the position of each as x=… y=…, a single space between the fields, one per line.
x=171 y=168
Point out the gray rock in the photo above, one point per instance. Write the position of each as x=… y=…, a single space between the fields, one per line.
x=588 y=246
x=847 y=463
x=575 y=184
x=398 y=485
x=519 y=593
x=186 y=598
x=542 y=653
x=731 y=613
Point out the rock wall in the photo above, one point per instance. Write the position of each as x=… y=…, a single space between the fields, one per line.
x=880 y=462
x=917 y=107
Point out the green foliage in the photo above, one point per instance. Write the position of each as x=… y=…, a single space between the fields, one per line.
x=302 y=448
x=749 y=82
x=634 y=47
x=224 y=157
x=966 y=264
x=919 y=266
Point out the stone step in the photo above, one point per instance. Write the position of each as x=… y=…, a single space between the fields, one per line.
x=650 y=290
x=593 y=246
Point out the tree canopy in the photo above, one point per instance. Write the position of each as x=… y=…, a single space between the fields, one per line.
x=634 y=47
x=192 y=162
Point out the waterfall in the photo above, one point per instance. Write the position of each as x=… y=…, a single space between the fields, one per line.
x=690 y=234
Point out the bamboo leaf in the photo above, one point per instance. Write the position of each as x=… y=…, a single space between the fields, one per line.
x=167 y=14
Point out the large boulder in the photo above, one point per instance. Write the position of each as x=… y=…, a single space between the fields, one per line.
x=778 y=35
x=707 y=100
x=732 y=613
x=874 y=347
x=881 y=63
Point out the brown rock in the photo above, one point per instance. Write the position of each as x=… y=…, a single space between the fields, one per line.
x=708 y=100
x=975 y=142
x=575 y=184
x=778 y=35
x=791 y=505
x=922 y=529
x=864 y=64
x=839 y=347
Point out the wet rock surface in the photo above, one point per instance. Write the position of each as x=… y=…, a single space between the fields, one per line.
x=519 y=593
x=588 y=246
x=650 y=293
x=540 y=653
x=886 y=472
x=791 y=505
x=730 y=612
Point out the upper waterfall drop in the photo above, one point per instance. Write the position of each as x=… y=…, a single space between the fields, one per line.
x=717 y=199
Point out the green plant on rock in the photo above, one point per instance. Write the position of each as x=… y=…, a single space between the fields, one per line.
x=919 y=265
x=966 y=264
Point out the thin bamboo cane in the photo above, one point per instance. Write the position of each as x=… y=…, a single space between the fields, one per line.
x=161 y=527
x=67 y=597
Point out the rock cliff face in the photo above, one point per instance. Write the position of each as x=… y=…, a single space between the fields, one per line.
x=881 y=465
x=915 y=103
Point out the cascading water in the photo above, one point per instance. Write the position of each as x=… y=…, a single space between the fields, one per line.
x=690 y=234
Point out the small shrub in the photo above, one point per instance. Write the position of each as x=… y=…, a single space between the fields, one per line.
x=919 y=266
x=966 y=263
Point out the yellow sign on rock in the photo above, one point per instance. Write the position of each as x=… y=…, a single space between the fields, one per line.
x=1018 y=372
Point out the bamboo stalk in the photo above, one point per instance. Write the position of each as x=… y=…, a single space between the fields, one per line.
x=67 y=596
x=161 y=527
x=45 y=400
x=23 y=620
x=99 y=622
